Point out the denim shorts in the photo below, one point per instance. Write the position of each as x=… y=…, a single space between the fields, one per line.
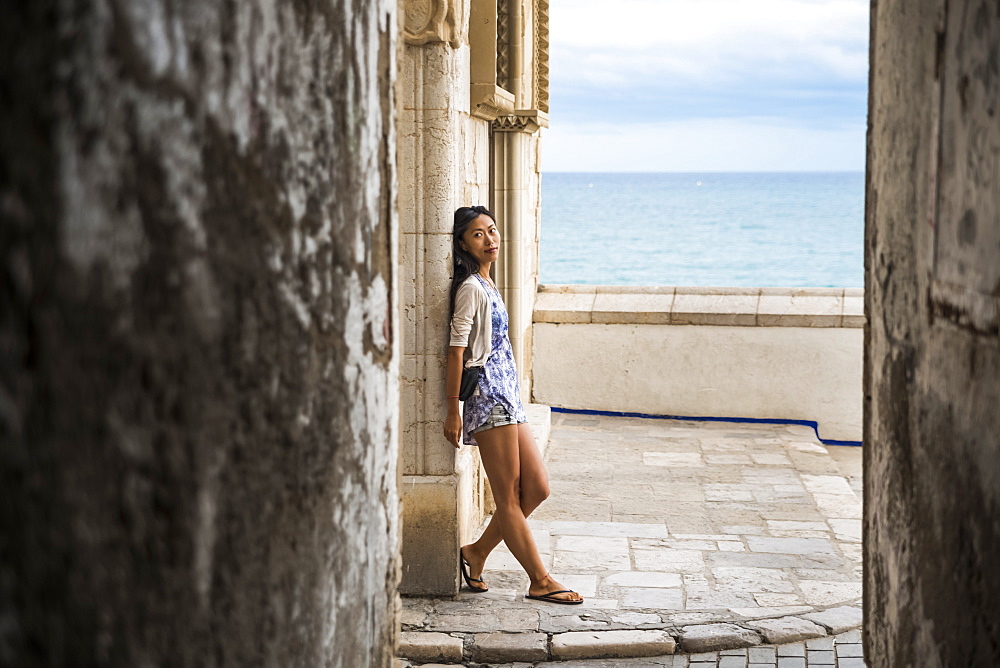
x=499 y=417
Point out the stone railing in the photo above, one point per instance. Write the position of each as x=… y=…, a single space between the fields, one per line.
x=761 y=353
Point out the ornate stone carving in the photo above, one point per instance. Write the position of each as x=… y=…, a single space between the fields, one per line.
x=489 y=101
x=429 y=21
x=503 y=44
x=542 y=55
x=522 y=120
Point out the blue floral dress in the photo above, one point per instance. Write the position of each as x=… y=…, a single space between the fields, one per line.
x=498 y=381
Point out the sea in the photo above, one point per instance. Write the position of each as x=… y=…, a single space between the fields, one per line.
x=711 y=229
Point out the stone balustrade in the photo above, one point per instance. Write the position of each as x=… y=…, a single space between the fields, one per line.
x=761 y=353
x=668 y=305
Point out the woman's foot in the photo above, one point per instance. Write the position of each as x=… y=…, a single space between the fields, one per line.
x=475 y=564
x=547 y=589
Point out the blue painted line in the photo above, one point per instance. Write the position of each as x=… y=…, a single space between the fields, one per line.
x=689 y=418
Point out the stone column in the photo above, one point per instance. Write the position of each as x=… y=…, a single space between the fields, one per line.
x=443 y=164
x=508 y=191
x=932 y=358
x=198 y=374
x=517 y=179
x=456 y=78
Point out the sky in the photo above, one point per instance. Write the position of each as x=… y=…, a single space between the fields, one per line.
x=707 y=85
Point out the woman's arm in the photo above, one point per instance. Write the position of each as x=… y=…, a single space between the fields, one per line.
x=452 y=383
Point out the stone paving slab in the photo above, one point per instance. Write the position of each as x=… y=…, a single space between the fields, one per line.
x=609 y=644
x=668 y=526
x=430 y=647
x=787 y=629
x=510 y=647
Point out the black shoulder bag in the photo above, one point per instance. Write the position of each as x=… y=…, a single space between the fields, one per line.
x=470 y=380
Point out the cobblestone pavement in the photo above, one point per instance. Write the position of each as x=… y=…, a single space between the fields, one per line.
x=697 y=536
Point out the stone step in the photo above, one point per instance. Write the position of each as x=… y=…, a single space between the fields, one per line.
x=842 y=651
x=784 y=637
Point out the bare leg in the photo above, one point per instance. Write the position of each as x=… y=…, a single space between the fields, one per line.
x=501 y=454
x=534 y=488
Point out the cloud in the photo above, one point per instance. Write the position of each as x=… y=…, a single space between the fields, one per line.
x=747 y=144
x=718 y=39
x=658 y=69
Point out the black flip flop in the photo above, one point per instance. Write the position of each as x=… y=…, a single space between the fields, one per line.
x=462 y=563
x=548 y=598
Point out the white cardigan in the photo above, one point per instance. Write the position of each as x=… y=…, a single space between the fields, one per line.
x=472 y=322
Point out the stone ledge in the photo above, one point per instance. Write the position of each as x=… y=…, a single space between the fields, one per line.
x=422 y=646
x=666 y=305
x=611 y=644
x=540 y=419
x=837 y=620
x=715 y=637
x=788 y=629
x=500 y=647
x=708 y=635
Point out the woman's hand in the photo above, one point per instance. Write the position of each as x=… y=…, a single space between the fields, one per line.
x=453 y=428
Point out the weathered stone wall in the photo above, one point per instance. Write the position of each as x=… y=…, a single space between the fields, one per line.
x=932 y=363
x=197 y=362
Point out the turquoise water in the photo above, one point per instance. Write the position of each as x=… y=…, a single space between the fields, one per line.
x=801 y=229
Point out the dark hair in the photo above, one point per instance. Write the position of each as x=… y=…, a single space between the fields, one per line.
x=463 y=264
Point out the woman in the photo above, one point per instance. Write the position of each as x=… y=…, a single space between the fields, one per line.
x=493 y=418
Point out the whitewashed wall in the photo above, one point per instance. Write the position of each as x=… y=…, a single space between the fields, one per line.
x=757 y=353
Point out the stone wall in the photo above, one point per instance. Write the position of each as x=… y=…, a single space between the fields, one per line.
x=762 y=353
x=932 y=365
x=198 y=373
x=444 y=163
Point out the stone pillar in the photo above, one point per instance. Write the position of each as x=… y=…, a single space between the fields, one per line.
x=517 y=177
x=932 y=359
x=198 y=376
x=460 y=70
x=515 y=278
x=443 y=164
